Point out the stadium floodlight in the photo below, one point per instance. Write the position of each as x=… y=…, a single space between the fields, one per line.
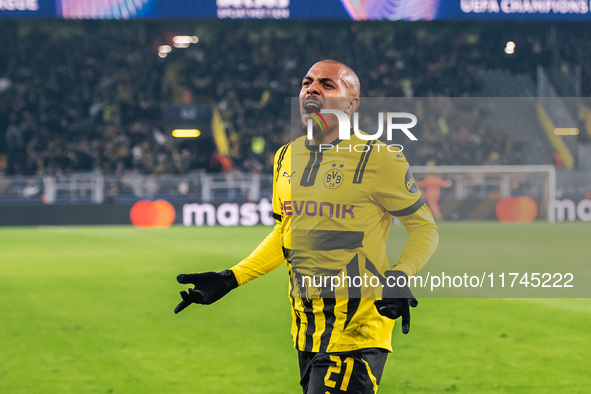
x=566 y=131
x=184 y=41
x=510 y=48
x=164 y=50
x=186 y=133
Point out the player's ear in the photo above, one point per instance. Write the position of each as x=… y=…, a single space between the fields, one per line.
x=352 y=105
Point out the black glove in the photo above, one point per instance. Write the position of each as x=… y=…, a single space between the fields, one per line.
x=396 y=301
x=209 y=287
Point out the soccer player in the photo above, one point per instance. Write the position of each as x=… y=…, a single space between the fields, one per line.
x=333 y=211
x=432 y=186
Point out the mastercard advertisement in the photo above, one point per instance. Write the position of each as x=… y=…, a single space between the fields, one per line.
x=152 y=214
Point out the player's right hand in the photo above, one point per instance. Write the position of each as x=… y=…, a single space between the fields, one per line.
x=209 y=287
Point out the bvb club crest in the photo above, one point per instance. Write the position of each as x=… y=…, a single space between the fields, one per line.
x=333 y=178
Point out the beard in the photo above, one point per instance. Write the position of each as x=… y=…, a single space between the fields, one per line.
x=308 y=123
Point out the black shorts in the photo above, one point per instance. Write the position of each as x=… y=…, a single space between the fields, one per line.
x=355 y=372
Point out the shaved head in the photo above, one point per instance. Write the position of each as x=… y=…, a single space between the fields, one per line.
x=329 y=84
x=348 y=76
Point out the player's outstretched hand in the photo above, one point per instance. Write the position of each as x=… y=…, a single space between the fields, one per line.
x=209 y=287
x=397 y=300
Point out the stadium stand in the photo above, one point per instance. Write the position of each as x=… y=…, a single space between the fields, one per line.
x=82 y=96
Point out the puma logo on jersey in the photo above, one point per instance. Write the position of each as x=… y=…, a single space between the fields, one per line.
x=288 y=176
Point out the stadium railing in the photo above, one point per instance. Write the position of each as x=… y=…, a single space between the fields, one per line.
x=472 y=193
x=97 y=188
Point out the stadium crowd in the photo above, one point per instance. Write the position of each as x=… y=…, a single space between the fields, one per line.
x=88 y=95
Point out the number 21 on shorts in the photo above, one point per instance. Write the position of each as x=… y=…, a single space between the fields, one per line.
x=336 y=369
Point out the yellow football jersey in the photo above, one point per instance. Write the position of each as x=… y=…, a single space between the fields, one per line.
x=334 y=208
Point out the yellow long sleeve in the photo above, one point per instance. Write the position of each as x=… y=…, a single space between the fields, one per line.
x=265 y=258
x=423 y=238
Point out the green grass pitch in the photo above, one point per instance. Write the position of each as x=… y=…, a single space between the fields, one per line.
x=90 y=310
